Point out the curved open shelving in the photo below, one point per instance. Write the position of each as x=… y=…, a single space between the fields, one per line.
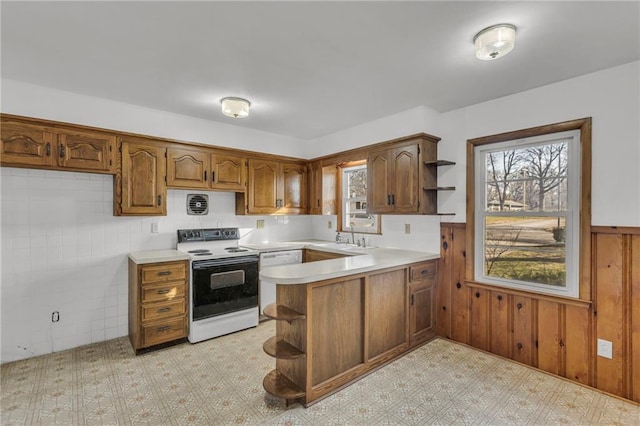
x=281 y=349
x=279 y=385
x=282 y=313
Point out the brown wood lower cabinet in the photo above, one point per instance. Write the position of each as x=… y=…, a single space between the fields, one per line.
x=157 y=303
x=330 y=333
x=316 y=255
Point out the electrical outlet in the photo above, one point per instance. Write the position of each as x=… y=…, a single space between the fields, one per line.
x=55 y=316
x=260 y=224
x=329 y=225
x=407 y=228
x=154 y=227
x=605 y=348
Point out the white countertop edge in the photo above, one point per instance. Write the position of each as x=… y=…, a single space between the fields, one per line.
x=305 y=273
x=155 y=256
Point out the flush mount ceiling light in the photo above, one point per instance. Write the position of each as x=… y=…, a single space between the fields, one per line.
x=495 y=42
x=235 y=107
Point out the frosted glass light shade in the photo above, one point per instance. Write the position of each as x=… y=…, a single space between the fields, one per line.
x=495 y=42
x=235 y=107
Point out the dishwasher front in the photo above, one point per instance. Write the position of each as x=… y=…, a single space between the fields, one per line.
x=274 y=258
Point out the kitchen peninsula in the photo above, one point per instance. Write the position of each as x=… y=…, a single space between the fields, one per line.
x=340 y=319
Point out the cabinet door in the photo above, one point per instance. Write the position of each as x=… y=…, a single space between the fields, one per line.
x=387 y=328
x=315 y=188
x=228 y=172
x=86 y=151
x=404 y=196
x=379 y=174
x=262 y=186
x=25 y=144
x=187 y=168
x=421 y=312
x=294 y=185
x=143 y=173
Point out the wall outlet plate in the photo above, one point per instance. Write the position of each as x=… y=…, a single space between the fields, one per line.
x=407 y=228
x=330 y=225
x=605 y=348
x=260 y=224
x=154 y=227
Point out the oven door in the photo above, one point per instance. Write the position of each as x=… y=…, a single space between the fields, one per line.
x=221 y=286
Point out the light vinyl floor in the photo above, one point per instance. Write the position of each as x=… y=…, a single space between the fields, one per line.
x=219 y=382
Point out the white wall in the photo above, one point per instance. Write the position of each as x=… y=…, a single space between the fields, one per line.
x=36 y=101
x=611 y=97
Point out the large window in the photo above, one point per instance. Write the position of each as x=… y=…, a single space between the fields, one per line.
x=527 y=205
x=354 y=201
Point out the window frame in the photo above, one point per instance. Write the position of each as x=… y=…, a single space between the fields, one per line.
x=570 y=214
x=582 y=230
x=341 y=210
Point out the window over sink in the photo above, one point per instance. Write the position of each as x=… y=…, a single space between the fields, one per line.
x=353 y=189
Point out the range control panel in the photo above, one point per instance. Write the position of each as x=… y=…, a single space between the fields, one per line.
x=211 y=234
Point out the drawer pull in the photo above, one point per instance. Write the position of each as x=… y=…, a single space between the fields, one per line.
x=164 y=291
x=163 y=328
x=164 y=273
x=161 y=310
x=424 y=272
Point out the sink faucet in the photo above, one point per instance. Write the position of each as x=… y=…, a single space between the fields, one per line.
x=353 y=238
x=338 y=238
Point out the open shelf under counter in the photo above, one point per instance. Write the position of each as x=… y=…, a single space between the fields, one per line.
x=281 y=349
x=279 y=385
x=282 y=313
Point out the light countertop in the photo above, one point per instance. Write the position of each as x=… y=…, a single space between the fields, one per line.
x=360 y=260
x=154 y=256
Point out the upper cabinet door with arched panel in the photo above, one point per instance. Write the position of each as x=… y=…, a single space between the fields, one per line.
x=142 y=179
x=26 y=144
x=379 y=174
x=86 y=151
x=262 y=193
x=187 y=168
x=405 y=182
x=228 y=172
x=294 y=195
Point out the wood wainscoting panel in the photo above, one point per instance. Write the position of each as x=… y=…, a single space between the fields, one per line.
x=336 y=317
x=480 y=318
x=524 y=331
x=550 y=337
x=500 y=332
x=578 y=344
x=443 y=289
x=609 y=310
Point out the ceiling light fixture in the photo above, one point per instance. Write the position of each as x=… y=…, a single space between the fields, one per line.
x=235 y=107
x=495 y=41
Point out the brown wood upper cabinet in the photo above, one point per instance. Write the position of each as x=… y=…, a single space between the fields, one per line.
x=274 y=187
x=141 y=187
x=25 y=144
x=199 y=168
x=392 y=180
x=322 y=188
x=397 y=176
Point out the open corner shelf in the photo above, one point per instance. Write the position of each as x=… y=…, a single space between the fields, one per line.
x=279 y=385
x=438 y=163
x=281 y=349
x=282 y=313
x=440 y=188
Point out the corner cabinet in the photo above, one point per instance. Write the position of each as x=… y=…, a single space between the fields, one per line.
x=140 y=184
x=422 y=290
x=26 y=144
x=274 y=187
x=157 y=303
x=402 y=176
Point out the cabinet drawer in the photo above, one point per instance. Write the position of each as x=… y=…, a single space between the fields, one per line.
x=156 y=311
x=423 y=271
x=163 y=273
x=164 y=331
x=163 y=292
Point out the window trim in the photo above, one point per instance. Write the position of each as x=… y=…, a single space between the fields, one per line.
x=584 y=228
x=340 y=212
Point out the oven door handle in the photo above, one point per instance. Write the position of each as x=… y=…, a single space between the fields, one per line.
x=204 y=264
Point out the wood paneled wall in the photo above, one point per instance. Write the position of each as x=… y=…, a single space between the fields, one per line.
x=555 y=334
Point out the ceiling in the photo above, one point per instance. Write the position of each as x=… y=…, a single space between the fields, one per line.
x=309 y=68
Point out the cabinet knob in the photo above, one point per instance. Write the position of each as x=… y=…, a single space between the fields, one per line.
x=458 y=285
x=47 y=149
x=61 y=150
x=445 y=245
